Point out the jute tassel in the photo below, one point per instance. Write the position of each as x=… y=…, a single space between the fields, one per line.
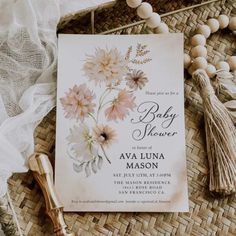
x=220 y=138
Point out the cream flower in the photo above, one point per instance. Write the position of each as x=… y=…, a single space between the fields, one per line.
x=120 y=106
x=104 y=135
x=77 y=103
x=81 y=143
x=107 y=66
x=136 y=79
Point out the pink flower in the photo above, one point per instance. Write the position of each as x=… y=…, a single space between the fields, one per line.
x=106 y=66
x=136 y=79
x=77 y=103
x=104 y=135
x=120 y=106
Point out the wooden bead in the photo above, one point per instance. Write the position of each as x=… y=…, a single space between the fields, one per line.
x=199 y=51
x=144 y=11
x=200 y=63
x=187 y=60
x=222 y=65
x=213 y=24
x=232 y=23
x=204 y=30
x=232 y=63
x=198 y=39
x=191 y=69
x=162 y=28
x=211 y=71
x=223 y=21
x=154 y=21
x=133 y=3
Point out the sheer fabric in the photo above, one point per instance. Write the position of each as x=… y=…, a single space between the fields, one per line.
x=28 y=54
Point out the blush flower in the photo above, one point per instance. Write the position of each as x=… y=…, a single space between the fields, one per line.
x=104 y=135
x=77 y=103
x=81 y=143
x=136 y=79
x=107 y=66
x=120 y=106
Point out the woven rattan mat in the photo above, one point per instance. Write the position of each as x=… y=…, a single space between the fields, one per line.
x=208 y=214
x=121 y=15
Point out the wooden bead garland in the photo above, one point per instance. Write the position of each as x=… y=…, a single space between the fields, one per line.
x=219 y=127
x=145 y=11
x=220 y=130
x=198 y=50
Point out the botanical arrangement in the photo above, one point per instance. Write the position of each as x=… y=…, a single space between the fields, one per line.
x=113 y=73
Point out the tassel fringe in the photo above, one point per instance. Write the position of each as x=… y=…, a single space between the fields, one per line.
x=220 y=138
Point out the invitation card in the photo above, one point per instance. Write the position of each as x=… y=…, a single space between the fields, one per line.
x=120 y=142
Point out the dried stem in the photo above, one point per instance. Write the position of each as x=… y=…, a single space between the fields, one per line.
x=104 y=152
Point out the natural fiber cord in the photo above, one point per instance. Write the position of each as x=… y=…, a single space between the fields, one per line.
x=220 y=138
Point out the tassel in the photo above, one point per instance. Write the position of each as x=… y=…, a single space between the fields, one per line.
x=220 y=138
x=226 y=82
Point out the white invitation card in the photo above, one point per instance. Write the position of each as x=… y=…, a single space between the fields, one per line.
x=120 y=142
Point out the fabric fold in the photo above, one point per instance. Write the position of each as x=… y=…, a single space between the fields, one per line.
x=28 y=55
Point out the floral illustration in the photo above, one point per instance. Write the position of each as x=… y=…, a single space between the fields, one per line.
x=82 y=144
x=104 y=135
x=106 y=66
x=136 y=79
x=120 y=106
x=113 y=72
x=77 y=103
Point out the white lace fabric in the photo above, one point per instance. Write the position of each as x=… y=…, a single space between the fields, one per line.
x=28 y=54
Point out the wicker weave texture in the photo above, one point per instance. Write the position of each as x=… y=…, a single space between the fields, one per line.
x=120 y=14
x=208 y=215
